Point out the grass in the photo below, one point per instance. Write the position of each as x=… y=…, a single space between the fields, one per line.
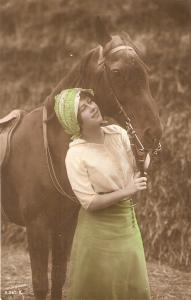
x=166 y=283
x=37 y=40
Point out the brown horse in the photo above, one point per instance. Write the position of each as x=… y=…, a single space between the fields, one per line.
x=29 y=197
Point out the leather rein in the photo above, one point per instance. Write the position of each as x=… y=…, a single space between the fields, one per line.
x=57 y=185
x=137 y=147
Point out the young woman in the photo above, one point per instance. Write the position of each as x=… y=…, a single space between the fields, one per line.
x=107 y=258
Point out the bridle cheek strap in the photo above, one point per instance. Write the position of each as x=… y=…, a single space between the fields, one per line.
x=121 y=110
x=139 y=150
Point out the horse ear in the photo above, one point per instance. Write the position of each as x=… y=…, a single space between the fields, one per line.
x=103 y=37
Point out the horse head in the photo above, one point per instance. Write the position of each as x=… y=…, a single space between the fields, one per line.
x=115 y=70
x=119 y=72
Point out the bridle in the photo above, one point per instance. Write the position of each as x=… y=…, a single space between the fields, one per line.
x=139 y=151
x=137 y=147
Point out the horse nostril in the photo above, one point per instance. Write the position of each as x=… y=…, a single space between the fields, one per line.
x=153 y=133
x=151 y=137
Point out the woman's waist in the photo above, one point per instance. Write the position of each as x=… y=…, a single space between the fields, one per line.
x=122 y=210
x=126 y=202
x=113 y=222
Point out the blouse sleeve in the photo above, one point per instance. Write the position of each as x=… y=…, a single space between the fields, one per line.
x=79 y=179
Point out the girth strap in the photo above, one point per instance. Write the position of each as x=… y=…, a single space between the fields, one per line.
x=51 y=168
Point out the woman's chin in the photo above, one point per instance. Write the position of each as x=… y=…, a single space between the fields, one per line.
x=103 y=123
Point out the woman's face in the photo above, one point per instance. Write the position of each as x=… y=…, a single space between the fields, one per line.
x=89 y=113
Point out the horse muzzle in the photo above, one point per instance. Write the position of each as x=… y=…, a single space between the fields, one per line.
x=151 y=138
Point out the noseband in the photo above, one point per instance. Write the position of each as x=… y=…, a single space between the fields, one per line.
x=139 y=151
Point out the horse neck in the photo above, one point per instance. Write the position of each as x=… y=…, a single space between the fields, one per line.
x=79 y=76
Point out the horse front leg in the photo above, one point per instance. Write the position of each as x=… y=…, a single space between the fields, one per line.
x=59 y=264
x=38 y=242
x=62 y=236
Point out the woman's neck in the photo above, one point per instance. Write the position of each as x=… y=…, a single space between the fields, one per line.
x=93 y=135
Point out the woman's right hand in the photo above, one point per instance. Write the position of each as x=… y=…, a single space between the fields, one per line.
x=136 y=184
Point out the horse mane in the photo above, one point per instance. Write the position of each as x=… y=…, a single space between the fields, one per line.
x=76 y=77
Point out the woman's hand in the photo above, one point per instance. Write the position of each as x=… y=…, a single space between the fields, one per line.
x=136 y=184
x=106 y=200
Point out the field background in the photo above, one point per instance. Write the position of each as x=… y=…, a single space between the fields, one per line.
x=41 y=40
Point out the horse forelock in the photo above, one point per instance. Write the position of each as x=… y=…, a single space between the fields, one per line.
x=79 y=76
x=114 y=49
x=123 y=40
x=89 y=72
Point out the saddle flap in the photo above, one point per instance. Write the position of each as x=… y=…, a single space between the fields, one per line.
x=7 y=125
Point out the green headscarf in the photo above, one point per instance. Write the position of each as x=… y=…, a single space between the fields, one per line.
x=66 y=109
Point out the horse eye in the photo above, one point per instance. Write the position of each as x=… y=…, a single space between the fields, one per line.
x=116 y=73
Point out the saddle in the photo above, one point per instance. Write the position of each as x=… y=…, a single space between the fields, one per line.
x=8 y=125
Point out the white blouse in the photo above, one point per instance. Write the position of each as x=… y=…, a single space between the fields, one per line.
x=100 y=168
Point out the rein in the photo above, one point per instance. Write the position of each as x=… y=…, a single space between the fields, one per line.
x=139 y=151
x=49 y=160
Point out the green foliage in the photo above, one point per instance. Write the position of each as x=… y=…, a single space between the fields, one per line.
x=41 y=41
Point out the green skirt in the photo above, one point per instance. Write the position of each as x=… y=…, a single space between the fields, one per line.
x=107 y=258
